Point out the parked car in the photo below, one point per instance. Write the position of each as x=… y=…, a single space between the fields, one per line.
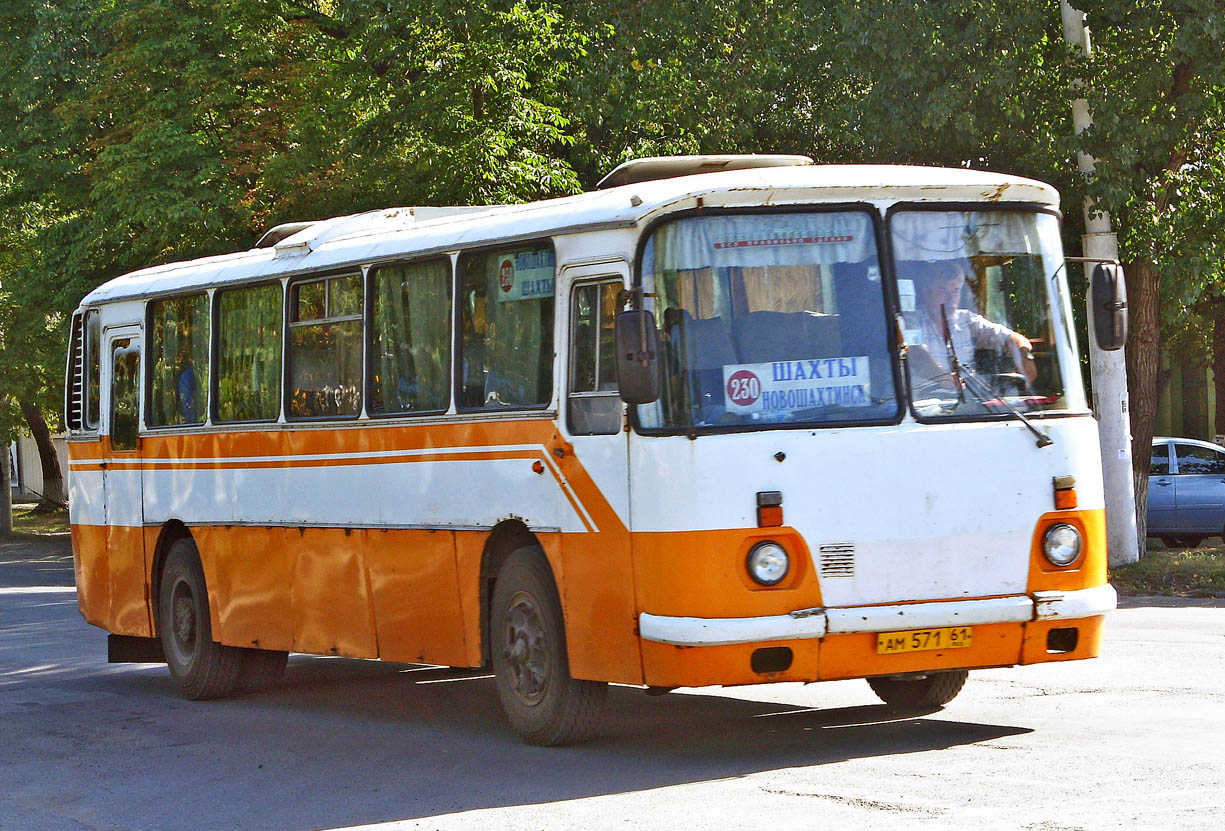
x=1186 y=491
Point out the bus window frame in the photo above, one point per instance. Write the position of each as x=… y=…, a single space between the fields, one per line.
x=457 y=358
x=884 y=260
x=568 y=392
x=215 y=352
x=286 y=341
x=1022 y=207
x=146 y=370
x=368 y=340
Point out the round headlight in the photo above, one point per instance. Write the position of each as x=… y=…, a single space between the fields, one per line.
x=768 y=563
x=1061 y=544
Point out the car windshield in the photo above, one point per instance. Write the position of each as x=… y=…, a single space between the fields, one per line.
x=985 y=312
x=769 y=319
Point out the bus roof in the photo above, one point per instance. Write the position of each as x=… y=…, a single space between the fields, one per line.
x=396 y=233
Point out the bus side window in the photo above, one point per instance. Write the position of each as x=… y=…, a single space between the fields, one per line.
x=249 y=353
x=125 y=393
x=593 y=406
x=410 y=338
x=178 y=361
x=506 y=326
x=325 y=348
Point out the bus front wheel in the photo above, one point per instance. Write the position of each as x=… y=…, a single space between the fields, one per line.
x=200 y=666
x=543 y=703
x=933 y=690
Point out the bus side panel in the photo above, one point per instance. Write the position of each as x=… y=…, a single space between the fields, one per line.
x=598 y=596
x=415 y=588
x=469 y=548
x=129 y=606
x=331 y=604
x=254 y=570
x=90 y=566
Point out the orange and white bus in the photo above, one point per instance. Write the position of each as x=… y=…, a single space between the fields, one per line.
x=692 y=428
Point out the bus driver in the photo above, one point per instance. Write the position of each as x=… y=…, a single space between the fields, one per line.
x=938 y=290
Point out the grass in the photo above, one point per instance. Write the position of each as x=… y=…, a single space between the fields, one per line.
x=28 y=523
x=1176 y=572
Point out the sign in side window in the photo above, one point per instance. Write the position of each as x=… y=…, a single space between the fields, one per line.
x=325 y=347
x=93 y=370
x=178 y=360
x=1193 y=459
x=410 y=345
x=769 y=319
x=593 y=405
x=249 y=353
x=125 y=395
x=506 y=344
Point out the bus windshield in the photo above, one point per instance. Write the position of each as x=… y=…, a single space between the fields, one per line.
x=984 y=312
x=769 y=319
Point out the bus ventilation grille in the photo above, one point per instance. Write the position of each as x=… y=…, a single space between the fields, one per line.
x=838 y=560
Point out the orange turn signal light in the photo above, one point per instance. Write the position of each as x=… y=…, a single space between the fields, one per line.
x=769 y=509
x=770 y=517
x=1065 y=493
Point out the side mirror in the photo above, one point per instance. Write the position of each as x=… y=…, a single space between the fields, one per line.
x=637 y=357
x=1108 y=302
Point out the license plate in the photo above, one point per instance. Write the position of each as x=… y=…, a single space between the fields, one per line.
x=918 y=640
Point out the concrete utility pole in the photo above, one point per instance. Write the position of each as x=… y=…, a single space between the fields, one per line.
x=1108 y=369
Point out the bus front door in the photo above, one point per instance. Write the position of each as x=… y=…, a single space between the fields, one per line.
x=597 y=562
x=123 y=495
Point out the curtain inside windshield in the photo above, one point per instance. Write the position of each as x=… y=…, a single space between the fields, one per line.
x=981 y=294
x=769 y=319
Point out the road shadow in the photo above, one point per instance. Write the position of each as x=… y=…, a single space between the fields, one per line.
x=344 y=742
x=347 y=742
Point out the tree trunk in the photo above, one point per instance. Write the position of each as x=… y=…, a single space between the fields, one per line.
x=1218 y=364
x=53 y=496
x=6 y=498
x=1143 y=340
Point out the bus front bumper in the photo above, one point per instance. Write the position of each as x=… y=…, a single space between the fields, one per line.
x=819 y=622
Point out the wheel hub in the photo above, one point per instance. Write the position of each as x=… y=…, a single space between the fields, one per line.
x=526 y=650
x=183 y=613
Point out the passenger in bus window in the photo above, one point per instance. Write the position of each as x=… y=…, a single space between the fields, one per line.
x=938 y=290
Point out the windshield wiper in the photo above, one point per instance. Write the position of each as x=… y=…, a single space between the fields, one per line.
x=970 y=380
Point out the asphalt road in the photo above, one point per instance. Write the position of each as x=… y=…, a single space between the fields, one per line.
x=1135 y=739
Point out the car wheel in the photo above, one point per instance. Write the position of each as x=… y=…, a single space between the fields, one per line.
x=200 y=666
x=933 y=690
x=527 y=637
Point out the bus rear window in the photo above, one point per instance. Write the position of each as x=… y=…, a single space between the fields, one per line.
x=769 y=319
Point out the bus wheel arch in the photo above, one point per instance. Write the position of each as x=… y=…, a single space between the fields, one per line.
x=172 y=531
x=527 y=643
x=507 y=537
x=202 y=667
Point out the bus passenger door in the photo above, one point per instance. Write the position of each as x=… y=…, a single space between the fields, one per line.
x=123 y=495
x=597 y=565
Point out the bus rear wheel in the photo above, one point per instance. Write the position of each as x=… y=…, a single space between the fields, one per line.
x=200 y=666
x=543 y=703
x=932 y=690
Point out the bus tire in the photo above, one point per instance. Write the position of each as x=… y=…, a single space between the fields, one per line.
x=543 y=703
x=261 y=669
x=200 y=666
x=934 y=690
